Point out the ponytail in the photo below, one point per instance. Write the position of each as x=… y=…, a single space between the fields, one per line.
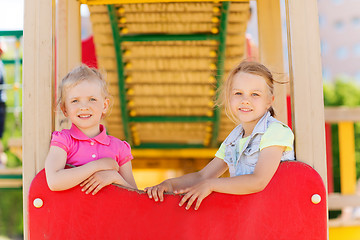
x=272 y=112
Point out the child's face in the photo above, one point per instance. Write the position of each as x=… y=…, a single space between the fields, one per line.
x=85 y=105
x=250 y=98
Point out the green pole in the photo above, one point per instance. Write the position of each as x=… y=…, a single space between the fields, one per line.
x=120 y=70
x=220 y=68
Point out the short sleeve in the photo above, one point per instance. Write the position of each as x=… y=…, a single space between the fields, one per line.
x=277 y=135
x=221 y=151
x=125 y=153
x=61 y=140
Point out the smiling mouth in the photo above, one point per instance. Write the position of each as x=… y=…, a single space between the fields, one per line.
x=84 y=116
x=245 y=109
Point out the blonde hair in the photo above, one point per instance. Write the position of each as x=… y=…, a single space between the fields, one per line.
x=77 y=75
x=254 y=68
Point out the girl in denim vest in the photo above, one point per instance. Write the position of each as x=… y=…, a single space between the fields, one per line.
x=253 y=150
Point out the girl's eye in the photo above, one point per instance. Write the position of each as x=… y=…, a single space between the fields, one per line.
x=74 y=101
x=93 y=99
x=238 y=93
x=255 y=94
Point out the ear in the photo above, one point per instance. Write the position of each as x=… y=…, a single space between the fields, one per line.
x=63 y=109
x=106 y=105
x=271 y=100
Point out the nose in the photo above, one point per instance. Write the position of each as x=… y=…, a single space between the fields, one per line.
x=84 y=107
x=245 y=100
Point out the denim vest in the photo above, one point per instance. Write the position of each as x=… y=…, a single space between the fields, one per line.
x=244 y=161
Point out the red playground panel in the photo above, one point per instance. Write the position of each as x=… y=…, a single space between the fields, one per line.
x=286 y=209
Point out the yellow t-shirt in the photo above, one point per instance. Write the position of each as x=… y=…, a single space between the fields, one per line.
x=275 y=135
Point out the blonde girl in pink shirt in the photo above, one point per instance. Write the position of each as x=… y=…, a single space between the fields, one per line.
x=99 y=159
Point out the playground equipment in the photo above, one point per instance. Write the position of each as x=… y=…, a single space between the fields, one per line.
x=169 y=60
x=135 y=118
x=344 y=227
x=270 y=214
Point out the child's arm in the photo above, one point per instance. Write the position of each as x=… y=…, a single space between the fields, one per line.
x=103 y=178
x=268 y=162
x=214 y=169
x=59 y=178
x=127 y=173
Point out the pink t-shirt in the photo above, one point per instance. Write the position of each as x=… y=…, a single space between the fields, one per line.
x=81 y=149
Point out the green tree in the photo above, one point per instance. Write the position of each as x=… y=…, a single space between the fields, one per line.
x=342 y=93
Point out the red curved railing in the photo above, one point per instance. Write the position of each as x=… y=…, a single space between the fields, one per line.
x=283 y=210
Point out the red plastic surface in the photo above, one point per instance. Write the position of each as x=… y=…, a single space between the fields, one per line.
x=329 y=158
x=88 y=55
x=282 y=211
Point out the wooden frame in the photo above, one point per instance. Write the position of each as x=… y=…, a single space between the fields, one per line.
x=271 y=49
x=38 y=73
x=306 y=83
x=68 y=32
x=104 y=2
x=38 y=76
x=342 y=114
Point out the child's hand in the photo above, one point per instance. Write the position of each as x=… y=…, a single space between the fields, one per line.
x=98 y=180
x=107 y=164
x=199 y=192
x=157 y=192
